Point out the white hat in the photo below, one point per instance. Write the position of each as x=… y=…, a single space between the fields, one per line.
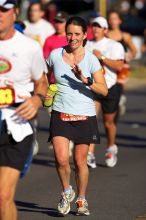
x=7 y=4
x=101 y=21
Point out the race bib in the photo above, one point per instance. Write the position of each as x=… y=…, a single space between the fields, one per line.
x=7 y=96
x=69 y=117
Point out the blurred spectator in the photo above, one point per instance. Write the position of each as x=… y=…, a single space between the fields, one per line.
x=140 y=6
x=115 y=33
x=44 y=2
x=133 y=13
x=125 y=7
x=50 y=11
x=92 y=15
x=143 y=48
x=36 y=27
x=58 y=39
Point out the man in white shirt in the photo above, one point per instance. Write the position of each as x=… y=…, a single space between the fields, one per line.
x=19 y=56
x=111 y=55
x=37 y=27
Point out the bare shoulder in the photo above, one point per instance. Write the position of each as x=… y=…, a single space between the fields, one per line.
x=127 y=36
x=110 y=34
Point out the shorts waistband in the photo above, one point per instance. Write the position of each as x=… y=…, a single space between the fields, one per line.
x=3 y=128
x=15 y=105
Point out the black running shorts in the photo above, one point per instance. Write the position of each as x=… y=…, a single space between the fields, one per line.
x=80 y=132
x=109 y=103
x=13 y=154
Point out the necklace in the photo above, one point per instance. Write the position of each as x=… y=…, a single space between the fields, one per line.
x=73 y=59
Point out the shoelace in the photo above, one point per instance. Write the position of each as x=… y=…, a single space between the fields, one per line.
x=79 y=203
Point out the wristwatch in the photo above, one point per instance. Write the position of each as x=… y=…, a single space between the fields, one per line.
x=42 y=97
x=102 y=57
x=89 y=81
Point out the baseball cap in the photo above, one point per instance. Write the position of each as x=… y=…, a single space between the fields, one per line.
x=7 y=4
x=61 y=16
x=101 y=21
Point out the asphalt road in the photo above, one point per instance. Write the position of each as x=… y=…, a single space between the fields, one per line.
x=113 y=193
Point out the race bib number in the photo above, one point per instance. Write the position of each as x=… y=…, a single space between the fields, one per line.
x=7 y=96
x=69 y=117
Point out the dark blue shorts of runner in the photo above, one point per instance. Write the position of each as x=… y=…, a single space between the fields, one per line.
x=13 y=154
x=110 y=103
x=80 y=132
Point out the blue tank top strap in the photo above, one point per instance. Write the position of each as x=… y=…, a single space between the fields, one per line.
x=62 y=51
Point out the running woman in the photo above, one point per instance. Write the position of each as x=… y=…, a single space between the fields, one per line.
x=111 y=54
x=78 y=74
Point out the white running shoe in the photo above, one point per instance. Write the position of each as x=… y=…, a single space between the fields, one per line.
x=71 y=147
x=64 y=203
x=111 y=156
x=35 y=147
x=50 y=146
x=122 y=105
x=91 y=161
x=82 y=207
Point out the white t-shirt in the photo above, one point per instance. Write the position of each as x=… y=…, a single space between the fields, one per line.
x=21 y=62
x=112 y=50
x=39 y=31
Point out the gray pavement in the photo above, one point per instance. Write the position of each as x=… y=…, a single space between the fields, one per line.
x=113 y=194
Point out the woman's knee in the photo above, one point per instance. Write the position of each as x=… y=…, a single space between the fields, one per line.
x=109 y=124
x=5 y=197
x=61 y=151
x=62 y=160
x=81 y=161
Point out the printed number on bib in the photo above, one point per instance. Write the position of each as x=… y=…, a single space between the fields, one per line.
x=7 y=96
x=69 y=117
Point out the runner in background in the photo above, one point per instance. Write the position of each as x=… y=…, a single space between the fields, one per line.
x=37 y=27
x=50 y=9
x=111 y=55
x=58 y=39
x=125 y=39
x=92 y=15
x=19 y=57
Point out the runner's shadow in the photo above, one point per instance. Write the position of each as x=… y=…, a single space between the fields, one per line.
x=131 y=145
x=44 y=162
x=101 y=165
x=32 y=207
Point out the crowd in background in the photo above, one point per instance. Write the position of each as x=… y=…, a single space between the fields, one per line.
x=133 y=13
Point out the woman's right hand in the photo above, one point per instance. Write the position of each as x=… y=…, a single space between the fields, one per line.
x=78 y=73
